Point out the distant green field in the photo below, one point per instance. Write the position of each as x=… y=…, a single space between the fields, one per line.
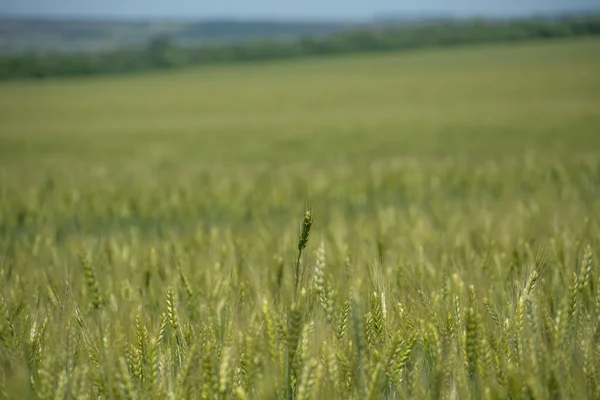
x=483 y=101
x=154 y=241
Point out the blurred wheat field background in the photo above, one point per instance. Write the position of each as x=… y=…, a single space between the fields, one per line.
x=154 y=241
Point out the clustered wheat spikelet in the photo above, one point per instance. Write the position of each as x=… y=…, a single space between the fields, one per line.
x=61 y=386
x=125 y=384
x=374 y=388
x=322 y=286
x=183 y=380
x=225 y=369
x=401 y=356
x=302 y=242
x=141 y=349
x=358 y=326
x=91 y=282
x=307 y=379
x=519 y=325
x=532 y=281
x=491 y=312
x=573 y=300
x=185 y=281
x=343 y=320
x=154 y=368
x=270 y=332
x=305 y=231
x=294 y=328
x=377 y=316
x=209 y=381
x=472 y=337
x=319 y=280
x=172 y=310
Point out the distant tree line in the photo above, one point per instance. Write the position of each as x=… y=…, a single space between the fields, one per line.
x=161 y=53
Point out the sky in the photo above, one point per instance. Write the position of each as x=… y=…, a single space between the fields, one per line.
x=278 y=9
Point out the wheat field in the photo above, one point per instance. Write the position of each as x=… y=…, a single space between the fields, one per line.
x=418 y=225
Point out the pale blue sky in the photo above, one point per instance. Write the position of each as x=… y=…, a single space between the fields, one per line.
x=322 y=9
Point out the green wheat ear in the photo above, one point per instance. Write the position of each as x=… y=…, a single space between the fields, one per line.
x=472 y=335
x=358 y=326
x=302 y=241
x=141 y=348
x=183 y=380
x=294 y=328
x=172 y=310
x=307 y=379
x=322 y=284
x=91 y=282
x=125 y=384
